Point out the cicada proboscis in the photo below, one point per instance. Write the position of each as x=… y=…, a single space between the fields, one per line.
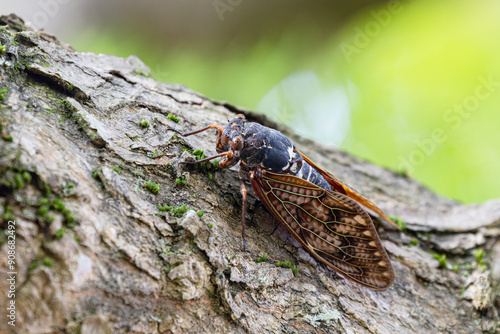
x=328 y=218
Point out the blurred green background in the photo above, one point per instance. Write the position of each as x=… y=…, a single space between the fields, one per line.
x=412 y=86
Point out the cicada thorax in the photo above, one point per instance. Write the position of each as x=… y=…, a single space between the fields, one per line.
x=272 y=151
x=267 y=148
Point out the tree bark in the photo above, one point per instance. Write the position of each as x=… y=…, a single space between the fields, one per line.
x=95 y=254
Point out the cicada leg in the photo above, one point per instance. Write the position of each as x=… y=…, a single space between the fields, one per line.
x=244 y=192
x=227 y=156
x=218 y=127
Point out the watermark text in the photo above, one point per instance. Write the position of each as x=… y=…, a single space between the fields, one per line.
x=11 y=272
x=454 y=117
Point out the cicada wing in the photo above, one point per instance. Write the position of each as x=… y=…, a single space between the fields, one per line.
x=341 y=187
x=330 y=225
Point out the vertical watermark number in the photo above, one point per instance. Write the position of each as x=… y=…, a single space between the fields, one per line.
x=11 y=272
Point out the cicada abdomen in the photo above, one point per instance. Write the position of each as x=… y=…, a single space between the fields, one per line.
x=323 y=214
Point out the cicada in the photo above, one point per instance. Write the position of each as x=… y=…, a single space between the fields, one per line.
x=328 y=218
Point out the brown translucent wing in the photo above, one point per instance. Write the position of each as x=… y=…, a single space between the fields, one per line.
x=328 y=224
x=342 y=188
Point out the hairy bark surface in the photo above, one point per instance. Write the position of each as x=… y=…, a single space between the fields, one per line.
x=95 y=254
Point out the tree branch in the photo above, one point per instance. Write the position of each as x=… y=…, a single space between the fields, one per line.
x=94 y=251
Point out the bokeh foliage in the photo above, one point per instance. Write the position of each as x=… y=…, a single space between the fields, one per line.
x=387 y=86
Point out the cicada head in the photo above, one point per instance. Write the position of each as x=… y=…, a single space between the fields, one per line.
x=231 y=140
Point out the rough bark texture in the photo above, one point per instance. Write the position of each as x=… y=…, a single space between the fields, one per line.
x=96 y=255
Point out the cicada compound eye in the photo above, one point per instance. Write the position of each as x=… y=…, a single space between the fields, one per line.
x=237 y=143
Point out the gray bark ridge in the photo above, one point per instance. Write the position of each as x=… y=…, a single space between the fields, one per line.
x=95 y=253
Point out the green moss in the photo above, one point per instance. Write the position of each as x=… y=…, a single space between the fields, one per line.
x=70 y=220
x=43 y=201
x=43 y=210
x=165 y=208
x=180 y=211
x=157 y=154
x=116 y=170
x=210 y=225
x=286 y=264
x=442 y=260
x=262 y=258
x=173 y=118
x=181 y=181
x=2 y=49
x=462 y=292
x=67 y=111
x=64 y=107
x=7 y=215
x=215 y=164
x=414 y=242
x=2 y=93
x=68 y=189
x=34 y=264
x=152 y=187
x=199 y=154
x=144 y=123
x=58 y=205
x=206 y=166
x=200 y=213
x=18 y=178
x=479 y=255
x=399 y=222
x=47 y=261
x=26 y=176
x=60 y=233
